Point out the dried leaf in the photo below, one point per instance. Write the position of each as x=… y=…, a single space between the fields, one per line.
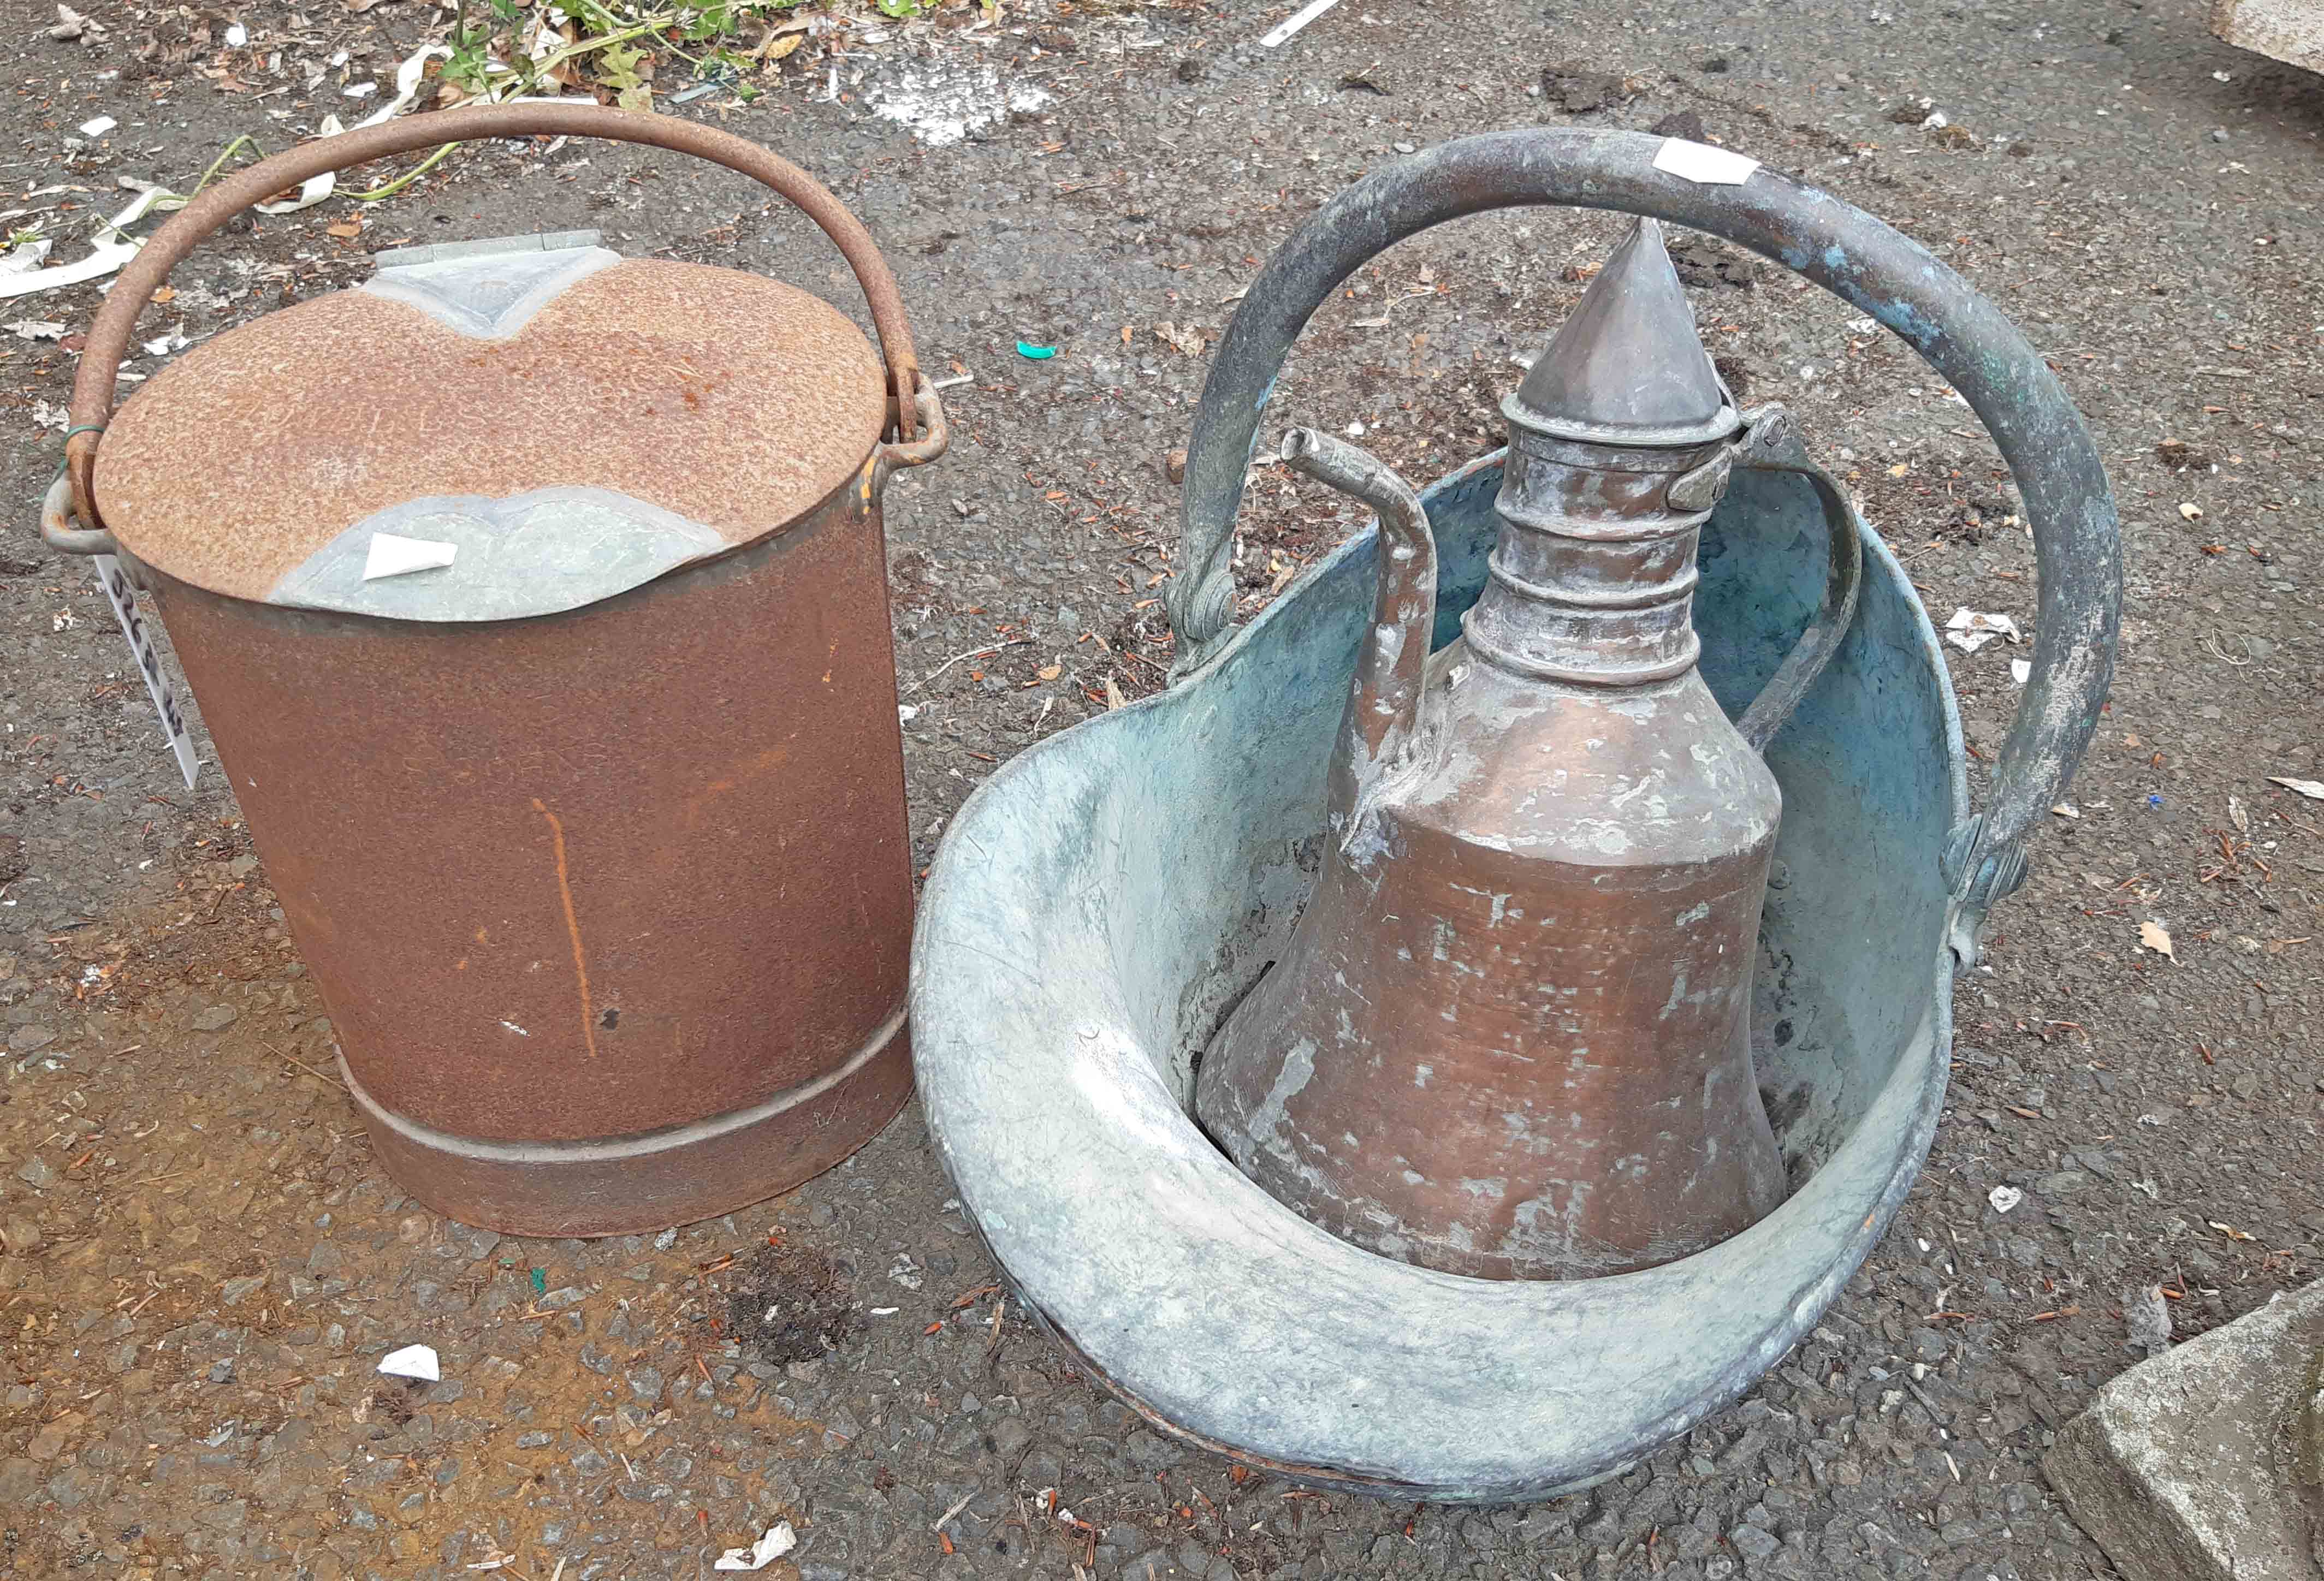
x=72 y=24
x=785 y=45
x=344 y=229
x=2313 y=789
x=1113 y=697
x=1050 y=672
x=1187 y=338
x=2230 y=1231
x=2152 y=935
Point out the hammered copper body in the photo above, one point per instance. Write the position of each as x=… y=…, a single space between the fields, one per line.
x=1510 y=1036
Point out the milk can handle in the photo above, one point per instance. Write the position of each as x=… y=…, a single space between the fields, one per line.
x=2077 y=542
x=109 y=336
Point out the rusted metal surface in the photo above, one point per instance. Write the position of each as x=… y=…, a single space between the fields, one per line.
x=572 y=889
x=110 y=334
x=1511 y=1035
x=593 y=832
x=727 y=400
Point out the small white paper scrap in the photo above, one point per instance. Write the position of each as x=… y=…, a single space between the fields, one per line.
x=2311 y=788
x=773 y=1543
x=1282 y=32
x=1970 y=630
x=98 y=128
x=2004 y=1198
x=25 y=256
x=413 y=1361
x=2021 y=670
x=112 y=250
x=1702 y=164
x=393 y=555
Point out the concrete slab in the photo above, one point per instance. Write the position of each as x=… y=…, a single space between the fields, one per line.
x=2291 y=30
x=2201 y=1463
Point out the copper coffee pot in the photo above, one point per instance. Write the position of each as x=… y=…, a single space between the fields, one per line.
x=1511 y=1036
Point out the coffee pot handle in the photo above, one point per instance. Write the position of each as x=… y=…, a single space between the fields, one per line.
x=2077 y=538
x=1770 y=443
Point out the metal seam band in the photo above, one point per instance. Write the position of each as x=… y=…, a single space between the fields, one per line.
x=1667 y=593
x=1558 y=525
x=644 y=1144
x=1493 y=653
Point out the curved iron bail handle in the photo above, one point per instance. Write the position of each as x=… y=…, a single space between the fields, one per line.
x=109 y=334
x=2077 y=541
x=1771 y=444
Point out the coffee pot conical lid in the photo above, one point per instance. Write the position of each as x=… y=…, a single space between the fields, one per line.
x=1627 y=368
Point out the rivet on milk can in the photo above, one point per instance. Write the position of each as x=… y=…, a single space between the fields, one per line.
x=1112 y=898
x=536 y=601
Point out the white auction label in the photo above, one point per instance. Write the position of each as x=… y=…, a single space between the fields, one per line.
x=1702 y=164
x=121 y=594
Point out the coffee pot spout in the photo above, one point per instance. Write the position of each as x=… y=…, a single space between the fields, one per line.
x=1380 y=727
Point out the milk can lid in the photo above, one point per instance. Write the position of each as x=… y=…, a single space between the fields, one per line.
x=490 y=430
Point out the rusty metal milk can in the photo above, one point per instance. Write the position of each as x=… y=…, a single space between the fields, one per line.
x=591 y=831
x=1510 y=1037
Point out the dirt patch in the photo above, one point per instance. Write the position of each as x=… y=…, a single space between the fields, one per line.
x=2180 y=456
x=395 y=1405
x=1579 y=89
x=790 y=1305
x=1702 y=262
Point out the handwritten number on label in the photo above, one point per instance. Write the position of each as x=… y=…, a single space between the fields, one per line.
x=121 y=594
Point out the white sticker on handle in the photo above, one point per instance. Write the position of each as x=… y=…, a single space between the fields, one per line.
x=121 y=594
x=1702 y=164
